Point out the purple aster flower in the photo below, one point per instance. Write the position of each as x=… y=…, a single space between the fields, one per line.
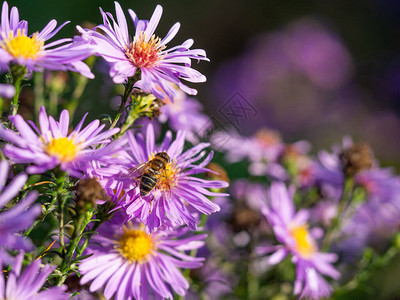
x=262 y=150
x=17 y=218
x=27 y=285
x=240 y=218
x=7 y=90
x=176 y=194
x=291 y=230
x=347 y=159
x=52 y=146
x=284 y=67
x=264 y=146
x=374 y=222
x=214 y=283
x=131 y=263
x=145 y=52
x=18 y=48
x=184 y=113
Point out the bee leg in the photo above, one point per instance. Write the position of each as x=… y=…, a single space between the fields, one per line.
x=151 y=201
x=137 y=181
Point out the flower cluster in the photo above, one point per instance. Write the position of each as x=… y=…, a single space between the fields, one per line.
x=130 y=206
x=137 y=204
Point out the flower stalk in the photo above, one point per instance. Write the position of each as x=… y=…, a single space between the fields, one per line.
x=128 y=91
x=18 y=73
x=337 y=220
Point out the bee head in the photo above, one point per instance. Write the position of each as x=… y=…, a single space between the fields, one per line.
x=164 y=155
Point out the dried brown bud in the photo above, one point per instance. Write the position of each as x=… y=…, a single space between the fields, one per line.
x=244 y=218
x=356 y=158
x=220 y=172
x=88 y=191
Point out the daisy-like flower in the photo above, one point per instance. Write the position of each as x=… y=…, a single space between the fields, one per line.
x=291 y=230
x=177 y=195
x=17 y=47
x=27 y=285
x=185 y=113
x=145 y=52
x=377 y=218
x=52 y=146
x=17 y=218
x=131 y=263
x=264 y=146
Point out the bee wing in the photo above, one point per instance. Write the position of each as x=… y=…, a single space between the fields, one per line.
x=135 y=172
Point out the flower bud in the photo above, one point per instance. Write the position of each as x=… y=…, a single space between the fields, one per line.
x=88 y=191
x=356 y=158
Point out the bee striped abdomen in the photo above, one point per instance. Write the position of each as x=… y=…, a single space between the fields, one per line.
x=147 y=183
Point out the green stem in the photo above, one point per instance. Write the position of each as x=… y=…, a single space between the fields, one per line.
x=14 y=102
x=18 y=73
x=128 y=90
x=80 y=87
x=61 y=204
x=80 y=225
x=132 y=118
x=53 y=102
x=336 y=222
x=49 y=210
x=38 y=91
x=1 y=106
x=89 y=236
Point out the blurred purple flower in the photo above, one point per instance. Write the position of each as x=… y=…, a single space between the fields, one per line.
x=27 y=285
x=159 y=67
x=16 y=47
x=291 y=230
x=184 y=113
x=7 y=90
x=264 y=146
x=213 y=281
x=52 y=146
x=240 y=217
x=17 y=218
x=285 y=70
x=375 y=221
x=130 y=263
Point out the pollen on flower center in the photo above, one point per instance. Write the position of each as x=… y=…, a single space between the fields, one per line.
x=144 y=54
x=305 y=244
x=63 y=148
x=22 y=46
x=135 y=245
x=168 y=177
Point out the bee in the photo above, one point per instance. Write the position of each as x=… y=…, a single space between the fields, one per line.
x=147 y=174
x=148 y=180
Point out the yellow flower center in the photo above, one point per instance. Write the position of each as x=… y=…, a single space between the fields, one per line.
x=168 y=176
x=63 y=148
x=22 y=46
x=305 y=244
x=135 y=245
x=143 y=54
